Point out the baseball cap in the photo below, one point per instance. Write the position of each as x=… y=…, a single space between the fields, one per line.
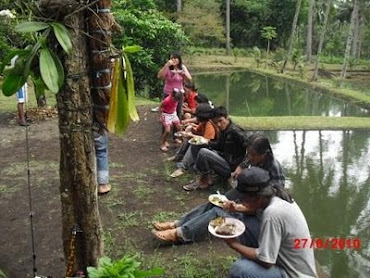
x=253 y=180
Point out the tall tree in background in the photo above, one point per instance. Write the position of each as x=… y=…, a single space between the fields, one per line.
x=292 y=36
x=309 y=30
x=322 y=37
x=178 y=5
x=268 y=33
x=354 y=18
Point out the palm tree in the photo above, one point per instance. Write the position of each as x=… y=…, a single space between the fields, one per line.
x=309 y=31
x=322 y=37
x=292 y=36
x=268 y=33
x=354 y=18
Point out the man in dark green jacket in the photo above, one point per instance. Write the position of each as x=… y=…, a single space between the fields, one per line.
x=222 y=157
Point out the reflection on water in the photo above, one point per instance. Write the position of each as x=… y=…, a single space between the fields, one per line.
x=249 y=94
x=328 y=174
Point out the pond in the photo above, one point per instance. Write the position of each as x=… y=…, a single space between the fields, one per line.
x=328 y=174
x=328 y=171
x=249 y=94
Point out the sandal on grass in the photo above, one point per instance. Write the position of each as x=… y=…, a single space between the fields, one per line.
x=191 y=186
x=162 y=226
x=169 y=236
x=177 y=173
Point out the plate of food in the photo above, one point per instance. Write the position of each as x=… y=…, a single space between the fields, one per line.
x=226 y=227
x=198 y=141
x=217 y=199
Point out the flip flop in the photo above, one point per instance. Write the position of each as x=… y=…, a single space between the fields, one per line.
x=177 y=173
x=168 y=236
x=191 y=186
x=162 y=226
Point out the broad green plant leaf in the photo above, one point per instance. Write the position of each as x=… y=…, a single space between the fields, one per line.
x=132 y=48
x=62 y=35
x=12 y=83
x=40 y=86
x=48 y=70
x=130 y=90
x=60 y=68
x=31 y=26
x=118 y=116
x=123 y=117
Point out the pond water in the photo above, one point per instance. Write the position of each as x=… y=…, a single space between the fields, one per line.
x=328 y=174
x=328 y=171
x=249 y=94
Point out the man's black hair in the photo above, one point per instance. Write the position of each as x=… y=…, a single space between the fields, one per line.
x=203 y=112
x=220 y=112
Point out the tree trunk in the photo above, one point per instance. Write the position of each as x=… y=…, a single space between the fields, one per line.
x=77 y=158
x=227 y=27
x=292 y=36
x=356 y=35
x=178 y=5
x=322 y=38
x=309 y=31
x=349 y=39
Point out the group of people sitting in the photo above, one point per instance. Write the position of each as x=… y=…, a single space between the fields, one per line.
x=272 y=219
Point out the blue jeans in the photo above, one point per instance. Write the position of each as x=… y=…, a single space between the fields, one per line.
x=208 y=160
x=101 y=153
x=193 y=226
x=187 y=160
x=244 y=268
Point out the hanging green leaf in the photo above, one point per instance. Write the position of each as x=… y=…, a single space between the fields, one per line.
x=113 y=100
x=130 y=90
x=48 y=70
x=60 y=68
x=122 y=105
x=132 y=48
x=12 y=83
x=40 y=87
x=31 y=26
x=62 y=35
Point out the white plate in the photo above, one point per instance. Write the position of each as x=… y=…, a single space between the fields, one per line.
x=239 y=228
x=215 y=197
x=198 y=141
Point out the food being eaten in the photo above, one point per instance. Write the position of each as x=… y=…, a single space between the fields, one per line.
x=217 y=221
x=197 y=141
x=216 y=200
x=227 y=229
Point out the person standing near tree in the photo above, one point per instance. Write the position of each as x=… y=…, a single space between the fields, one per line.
x=22 y=97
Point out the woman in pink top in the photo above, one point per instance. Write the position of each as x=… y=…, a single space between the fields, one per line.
x=168 y=116
x=174 y=74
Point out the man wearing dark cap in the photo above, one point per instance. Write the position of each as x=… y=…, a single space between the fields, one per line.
x=273 y=221
x=280 y=222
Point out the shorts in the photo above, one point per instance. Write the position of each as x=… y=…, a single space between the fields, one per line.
x=169 y=119
x=22 y=95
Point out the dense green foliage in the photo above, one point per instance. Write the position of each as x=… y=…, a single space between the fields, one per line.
x=157 y=35
x=127 y=267
x=202 y=22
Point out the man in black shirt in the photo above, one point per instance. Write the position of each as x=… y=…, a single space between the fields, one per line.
x=223 y=156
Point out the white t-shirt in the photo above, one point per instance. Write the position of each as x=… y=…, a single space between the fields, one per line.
x=281 y=224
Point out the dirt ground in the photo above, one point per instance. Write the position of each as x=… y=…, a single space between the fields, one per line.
x=142 y=192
